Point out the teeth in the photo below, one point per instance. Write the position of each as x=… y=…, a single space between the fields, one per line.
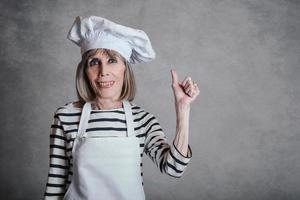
x=105 y=84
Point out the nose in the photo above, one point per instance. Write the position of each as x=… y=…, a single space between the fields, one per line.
x=103 y=70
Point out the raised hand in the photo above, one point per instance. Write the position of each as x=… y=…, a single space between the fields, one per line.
x=185 y=92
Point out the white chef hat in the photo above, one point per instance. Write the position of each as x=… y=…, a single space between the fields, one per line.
x=96 y=32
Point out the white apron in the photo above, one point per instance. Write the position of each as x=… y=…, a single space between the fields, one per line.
x=105 y=168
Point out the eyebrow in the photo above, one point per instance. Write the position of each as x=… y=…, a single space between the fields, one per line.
x=91 y=58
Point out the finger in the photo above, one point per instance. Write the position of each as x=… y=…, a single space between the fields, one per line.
x=185 y=80
x=192 y=89
x=189 y=83
x=188 y=89
x=193 y=93
x=190 y=93
x=174 y=77
x=197 y=88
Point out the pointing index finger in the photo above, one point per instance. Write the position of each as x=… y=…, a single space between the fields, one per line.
x=174 y=77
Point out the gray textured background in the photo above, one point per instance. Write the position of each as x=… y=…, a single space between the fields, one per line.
x=245 y=124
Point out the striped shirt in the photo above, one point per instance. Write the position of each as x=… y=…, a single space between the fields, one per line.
x=111 y=122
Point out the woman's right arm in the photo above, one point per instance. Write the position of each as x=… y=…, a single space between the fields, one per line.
x=58 y=162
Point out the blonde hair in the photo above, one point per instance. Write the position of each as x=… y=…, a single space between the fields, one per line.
x=83 y=88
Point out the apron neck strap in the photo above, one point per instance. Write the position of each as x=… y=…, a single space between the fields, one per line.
x=85 y=116
x=129 y=118
x=84 y=119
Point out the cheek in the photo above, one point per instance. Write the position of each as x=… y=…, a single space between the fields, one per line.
x=91 y=76
x=121 y=78
x=91 y=72
x=122 y=73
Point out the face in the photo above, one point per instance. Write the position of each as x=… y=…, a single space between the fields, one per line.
x=106 y=75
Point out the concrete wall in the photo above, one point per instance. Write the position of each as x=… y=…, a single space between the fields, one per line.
x=244 y=126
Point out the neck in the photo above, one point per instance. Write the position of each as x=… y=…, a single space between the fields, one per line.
x=104 y=104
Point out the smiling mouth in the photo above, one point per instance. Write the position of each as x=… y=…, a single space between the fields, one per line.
x=106 y=84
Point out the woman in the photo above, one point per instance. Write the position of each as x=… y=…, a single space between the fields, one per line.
x=97 y=143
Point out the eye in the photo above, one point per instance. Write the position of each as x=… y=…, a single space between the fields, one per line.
x=112 y=60
x=94 y=61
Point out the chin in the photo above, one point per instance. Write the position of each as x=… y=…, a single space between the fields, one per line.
x=107 y=96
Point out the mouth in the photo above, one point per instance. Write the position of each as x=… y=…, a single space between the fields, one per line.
x=105 y=84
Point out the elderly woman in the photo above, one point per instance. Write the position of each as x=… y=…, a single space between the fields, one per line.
x=97 y=143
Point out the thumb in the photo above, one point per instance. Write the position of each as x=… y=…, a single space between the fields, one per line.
x=174 y=77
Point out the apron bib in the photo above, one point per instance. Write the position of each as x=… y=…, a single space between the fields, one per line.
x=106 y=168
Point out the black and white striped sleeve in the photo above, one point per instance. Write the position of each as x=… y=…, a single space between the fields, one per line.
x=58 y=162
x=166 y=157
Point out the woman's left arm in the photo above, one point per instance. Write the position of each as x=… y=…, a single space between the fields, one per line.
x=181 y=140
x=172 y=158
x=184 y=93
